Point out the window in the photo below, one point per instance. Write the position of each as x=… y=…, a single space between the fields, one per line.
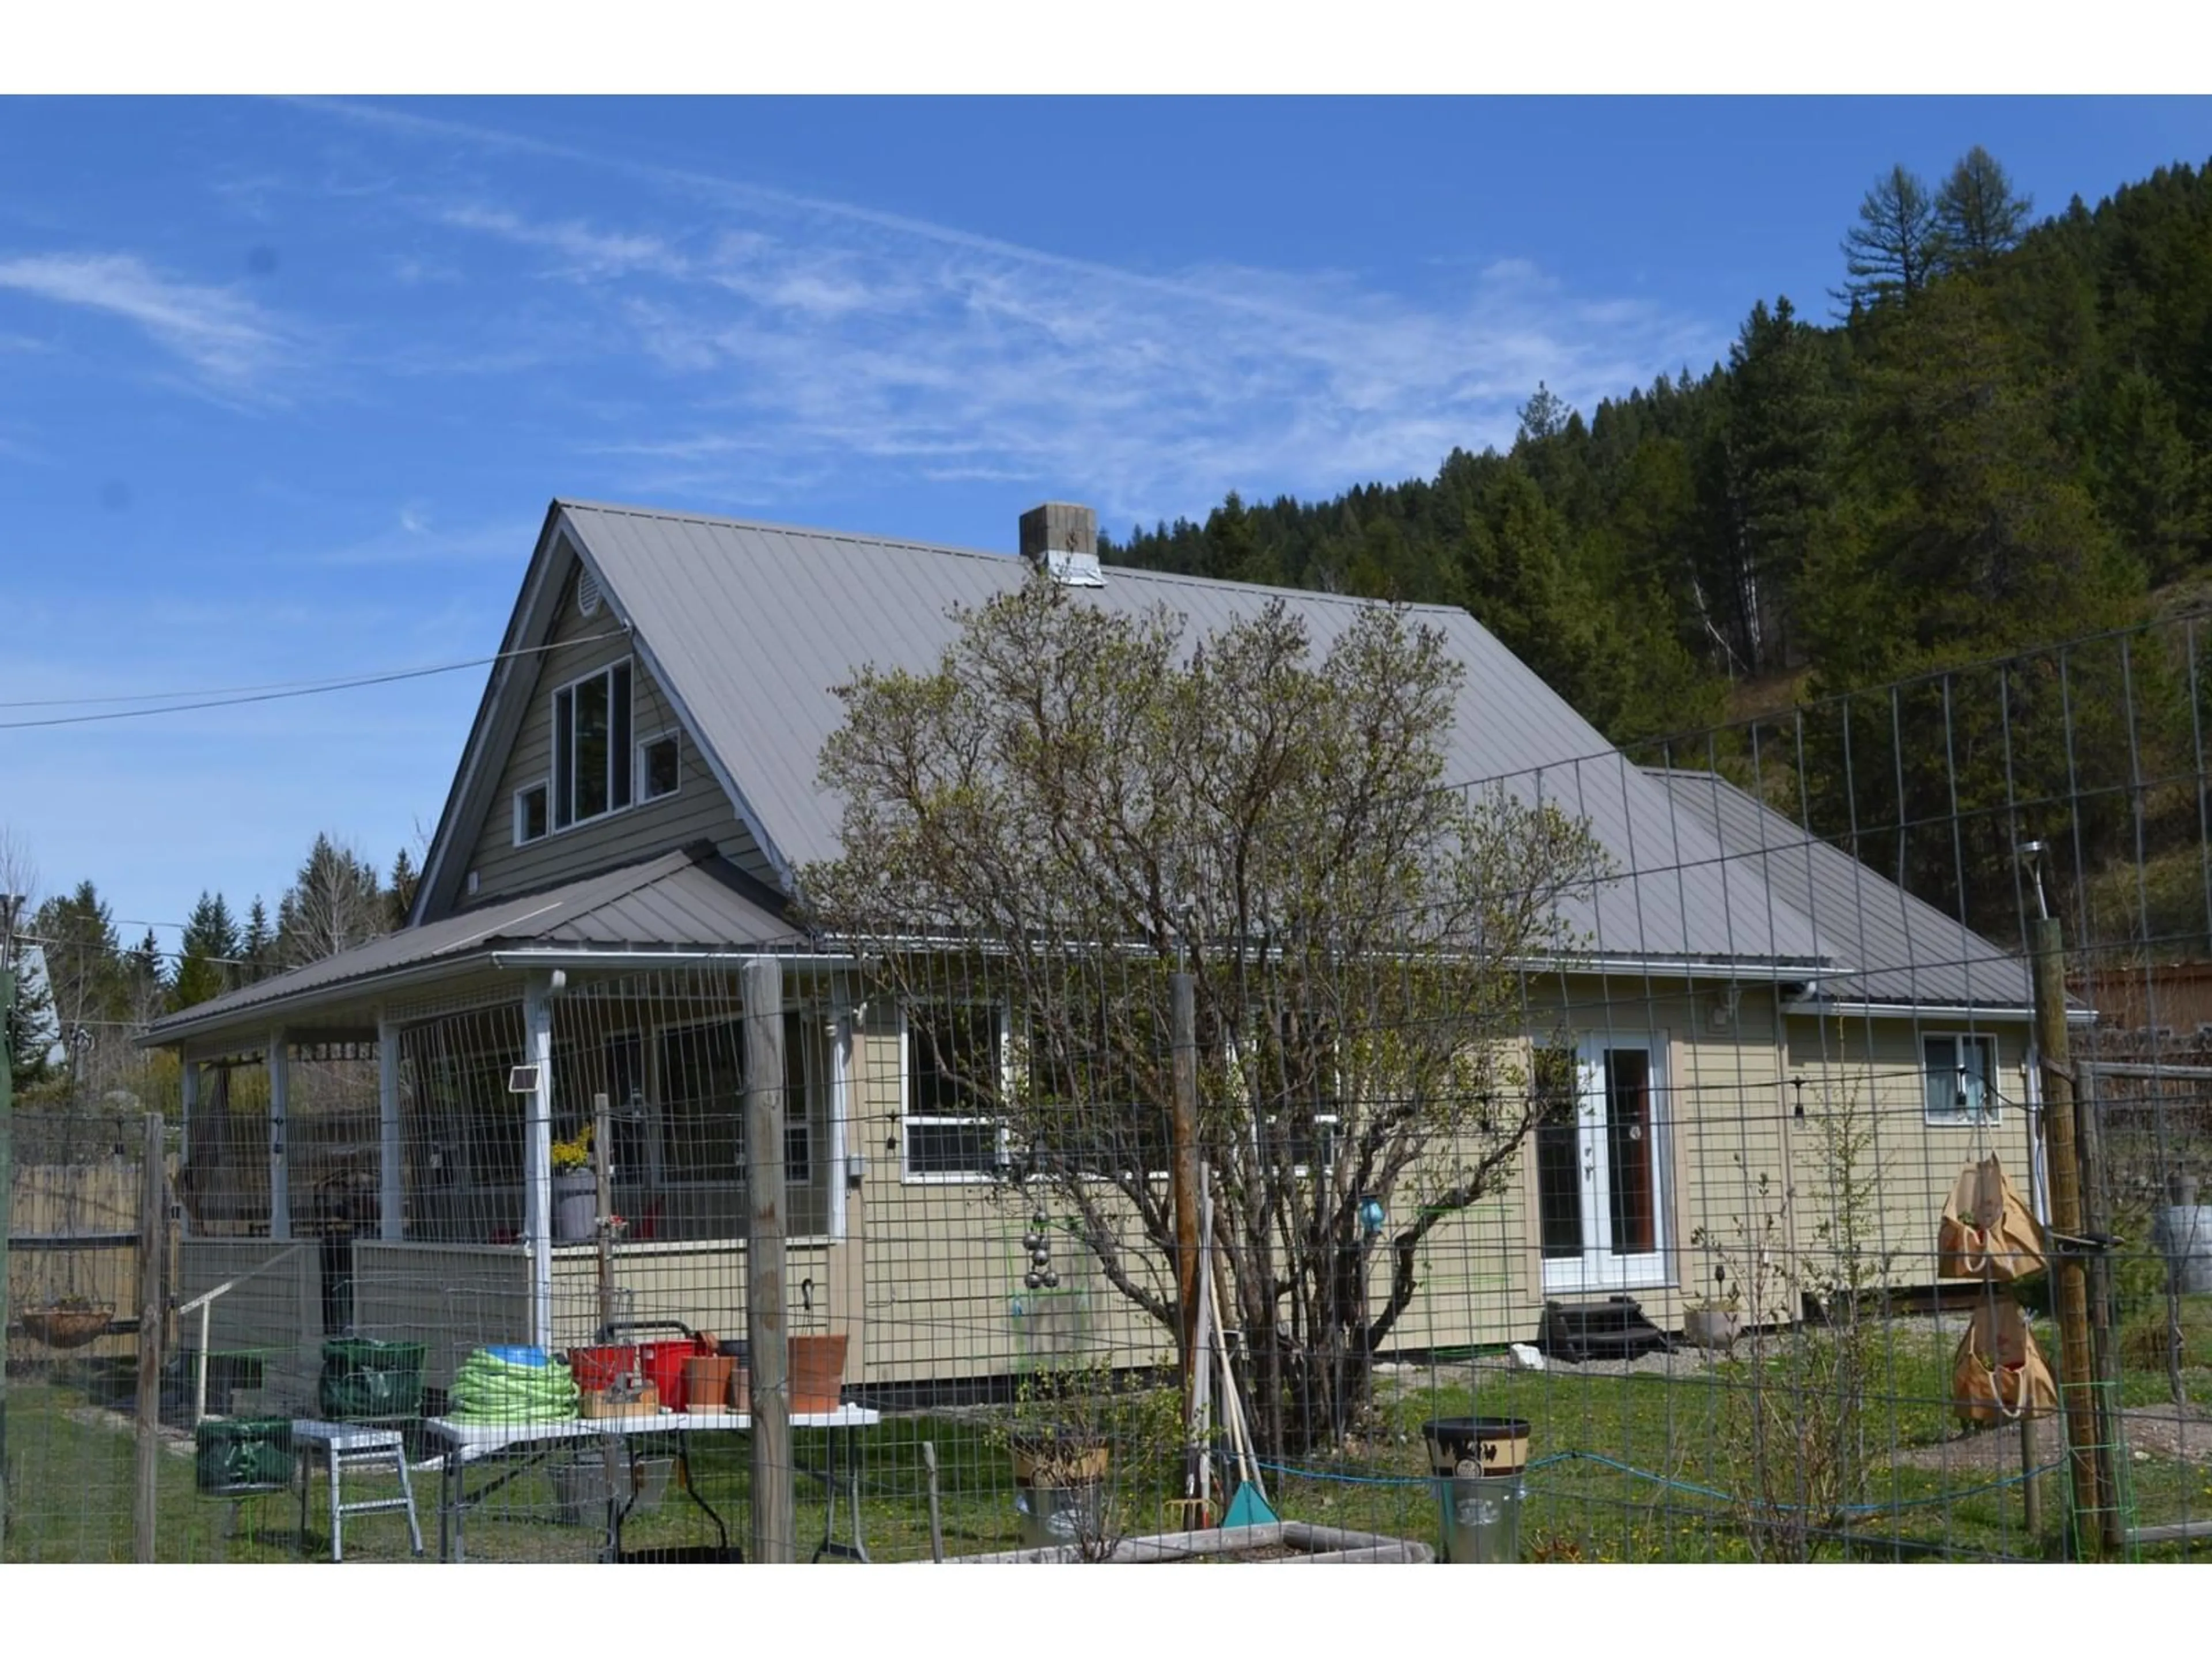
x=953 y=1054
x=531 y=814
x=591 y=746
x=1960 y=1072
x=658 y=773
x=702 y=1084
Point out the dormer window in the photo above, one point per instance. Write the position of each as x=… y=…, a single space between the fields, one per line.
x=592 y=746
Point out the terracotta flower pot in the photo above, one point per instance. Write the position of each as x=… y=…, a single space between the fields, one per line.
x=818 y=1373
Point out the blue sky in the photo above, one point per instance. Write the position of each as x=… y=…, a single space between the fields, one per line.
x=285 y=387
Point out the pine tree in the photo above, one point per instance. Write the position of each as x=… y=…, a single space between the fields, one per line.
x=256 y=948
x=404 y=880
x=85 y=972
x=1977 y=216
x=207 y=964
x=1889 y=251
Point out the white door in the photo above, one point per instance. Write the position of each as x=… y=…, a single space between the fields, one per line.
x=1601 y=1171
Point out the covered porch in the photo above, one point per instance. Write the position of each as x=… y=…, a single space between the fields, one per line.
x=374 y=1144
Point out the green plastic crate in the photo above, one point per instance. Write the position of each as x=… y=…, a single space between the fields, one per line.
x=364 y=1380
x=232 y=1456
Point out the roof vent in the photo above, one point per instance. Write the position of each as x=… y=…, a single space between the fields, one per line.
x=1061 y=539
x=587 y=594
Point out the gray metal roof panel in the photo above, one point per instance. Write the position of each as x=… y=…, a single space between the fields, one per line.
x=754 y=624
x=1903 y=950
x=679 y=897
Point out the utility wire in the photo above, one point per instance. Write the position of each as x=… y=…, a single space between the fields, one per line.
x=234 y=696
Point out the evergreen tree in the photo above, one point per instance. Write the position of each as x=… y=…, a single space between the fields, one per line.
x=1889 y=253
x=1977 y=216
x=404 y=880
x=85 y=972
x=207 y=964
x=256 y=948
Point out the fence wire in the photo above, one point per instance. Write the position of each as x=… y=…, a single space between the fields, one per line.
x=1648 y=1218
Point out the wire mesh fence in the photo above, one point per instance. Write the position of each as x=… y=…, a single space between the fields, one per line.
x=1429 y=1231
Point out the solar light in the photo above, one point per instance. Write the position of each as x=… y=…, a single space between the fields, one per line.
x=522 y=1080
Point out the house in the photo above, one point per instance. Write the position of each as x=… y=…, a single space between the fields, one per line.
x=368 y=1138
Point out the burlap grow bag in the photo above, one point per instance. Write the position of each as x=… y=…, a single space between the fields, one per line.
x=1998 y=1373
x=1988 y=1232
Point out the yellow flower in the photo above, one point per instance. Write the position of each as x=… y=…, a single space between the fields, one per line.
x=573 y=1154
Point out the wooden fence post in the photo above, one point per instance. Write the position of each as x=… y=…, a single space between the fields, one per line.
x=774 y=1537
x=152 y=1300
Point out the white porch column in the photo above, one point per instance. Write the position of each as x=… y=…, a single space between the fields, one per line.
x=391 y=1194
x=280 y=1180
x=537 y=1156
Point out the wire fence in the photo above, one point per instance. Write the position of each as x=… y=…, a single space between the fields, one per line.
x=1479 y=1241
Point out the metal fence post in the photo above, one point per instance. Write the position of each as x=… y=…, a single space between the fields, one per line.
x=7 y=1191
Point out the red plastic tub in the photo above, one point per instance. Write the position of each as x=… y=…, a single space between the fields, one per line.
x=597 y=1368
x=663 y=1363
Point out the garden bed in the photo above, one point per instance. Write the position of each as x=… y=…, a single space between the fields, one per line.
x=1279 y=1542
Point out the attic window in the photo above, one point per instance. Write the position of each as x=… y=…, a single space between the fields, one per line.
x=658 y=770
x=531 y=814
x=591 y=746
x=587 y=594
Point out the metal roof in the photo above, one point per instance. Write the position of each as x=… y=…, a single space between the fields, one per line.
x=750 y=625
x=689 y=898
x=1900 y=950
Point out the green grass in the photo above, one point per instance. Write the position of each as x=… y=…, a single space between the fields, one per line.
x=1646 y=1459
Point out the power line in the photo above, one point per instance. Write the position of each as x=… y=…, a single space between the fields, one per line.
x=234 y=696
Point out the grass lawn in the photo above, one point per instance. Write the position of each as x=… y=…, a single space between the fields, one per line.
x=1629 y=1468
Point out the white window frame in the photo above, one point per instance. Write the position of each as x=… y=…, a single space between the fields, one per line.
x=567 y=688
x=1968 y=1118
x=1597 y=1268
x=907 y=1175
x=546 y=784
x=672 y=734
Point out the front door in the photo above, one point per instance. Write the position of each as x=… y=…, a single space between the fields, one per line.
x=1601 y=1169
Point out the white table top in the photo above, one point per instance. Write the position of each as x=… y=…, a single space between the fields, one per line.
x=343 y=1436
x=477 y=1438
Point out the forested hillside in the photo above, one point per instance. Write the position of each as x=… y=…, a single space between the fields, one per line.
x=1994 y=433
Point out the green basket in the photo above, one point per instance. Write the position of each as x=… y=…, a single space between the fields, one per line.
x=367 y=1381
x=232 y=1456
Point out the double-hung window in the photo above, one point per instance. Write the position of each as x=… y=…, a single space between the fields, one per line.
x=591 y=766
x=1960 y=1075
x=956 y=1058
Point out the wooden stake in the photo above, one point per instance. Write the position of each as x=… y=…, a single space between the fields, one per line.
x=2076 y=1363
x=936 y=1522
x=153 y=1231
x=1183 y=1039
x=774 y=1539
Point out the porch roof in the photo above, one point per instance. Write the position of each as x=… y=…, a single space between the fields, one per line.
x=690 y=899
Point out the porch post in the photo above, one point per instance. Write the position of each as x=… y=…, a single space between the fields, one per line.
x=188 y=1106
x=537 y=1157
x=280 y=1180
x=390 y=1196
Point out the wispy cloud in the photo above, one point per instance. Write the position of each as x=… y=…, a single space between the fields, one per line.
x=793 y=335
x=224 y=338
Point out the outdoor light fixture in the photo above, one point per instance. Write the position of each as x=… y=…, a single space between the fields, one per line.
x=522 y=1080
x=1798 y=1110
x=2031 y=854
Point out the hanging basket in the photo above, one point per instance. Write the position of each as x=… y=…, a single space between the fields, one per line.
x=68 y=1325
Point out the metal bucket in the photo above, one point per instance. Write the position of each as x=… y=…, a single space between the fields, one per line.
x=1479 y=1517
x=2183 y=1235
x=1054 y=1515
